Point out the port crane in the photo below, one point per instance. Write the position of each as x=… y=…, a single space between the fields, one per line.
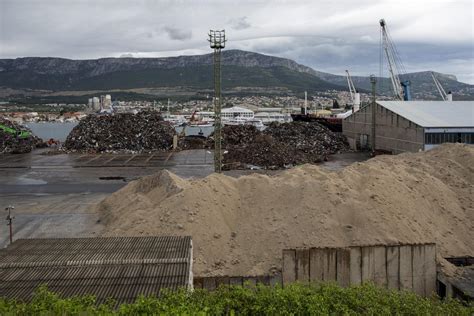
x=401 y=88
x=355 y=96
x=445 y=96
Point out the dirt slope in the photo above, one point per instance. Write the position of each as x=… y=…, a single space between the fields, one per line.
x=240 y=225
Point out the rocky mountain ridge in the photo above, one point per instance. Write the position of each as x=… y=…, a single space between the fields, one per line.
x=242 y=68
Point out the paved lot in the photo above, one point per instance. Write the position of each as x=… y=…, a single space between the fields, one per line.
x=53 y=194
x=152 y=160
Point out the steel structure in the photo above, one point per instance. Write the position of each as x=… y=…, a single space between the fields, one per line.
x=395 y=66
x=355 y=96
x=352 y=88
x=217 y=42
x=9 y=220
x=445 y=96
x=373 y=82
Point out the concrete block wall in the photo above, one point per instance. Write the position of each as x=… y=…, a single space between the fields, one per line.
x=393 y=132
x=212 y=283
x=401 y=267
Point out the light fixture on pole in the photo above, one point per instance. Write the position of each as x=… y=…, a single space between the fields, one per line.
x=217 y=42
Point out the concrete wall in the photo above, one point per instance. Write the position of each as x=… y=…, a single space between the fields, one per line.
x=393 y=132
x=212 y=283
x=400 y=267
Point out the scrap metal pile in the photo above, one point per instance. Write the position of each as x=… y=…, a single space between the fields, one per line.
x=193 y=142
x=280 y=145
x=141 y=132
x=17 y=139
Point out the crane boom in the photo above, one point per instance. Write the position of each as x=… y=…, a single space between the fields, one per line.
x=440 y=88
x=352 y=89
x=400 y=89
x=355 y=96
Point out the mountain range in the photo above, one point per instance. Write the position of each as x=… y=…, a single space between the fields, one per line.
x=243 y=73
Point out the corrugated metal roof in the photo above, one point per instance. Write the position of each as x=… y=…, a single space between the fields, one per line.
x=464 y=281
x=117 y=267
x=434 y=113
x=236 y=109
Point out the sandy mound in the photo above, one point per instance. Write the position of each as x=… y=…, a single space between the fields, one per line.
x=239 y=226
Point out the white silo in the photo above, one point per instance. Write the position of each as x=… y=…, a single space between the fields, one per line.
x=356 y=101
x=108 y=102
x=96 y=103
x=449 y=96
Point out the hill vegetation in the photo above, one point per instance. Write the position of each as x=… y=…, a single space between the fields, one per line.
x=243 y=73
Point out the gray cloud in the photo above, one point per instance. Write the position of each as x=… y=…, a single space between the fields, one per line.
x=240 y=23
x=178 y=34
x=326 y=35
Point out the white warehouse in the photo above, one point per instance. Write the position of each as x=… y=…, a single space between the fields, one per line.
x=236 y=111
x=402 y=126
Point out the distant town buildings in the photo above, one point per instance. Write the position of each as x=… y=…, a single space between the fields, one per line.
x=101 y=104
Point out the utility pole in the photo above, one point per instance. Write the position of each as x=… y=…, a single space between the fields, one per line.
x=9 y=219
x=217 y=42
x=373 y=81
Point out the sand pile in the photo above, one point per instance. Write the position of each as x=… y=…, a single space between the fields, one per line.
x=240 y=225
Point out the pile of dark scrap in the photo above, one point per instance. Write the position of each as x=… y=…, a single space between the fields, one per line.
x=281 y=145
x=236 y=136
x=17 y=139
x=239 y=135
x=193 y=142
x=142 y=132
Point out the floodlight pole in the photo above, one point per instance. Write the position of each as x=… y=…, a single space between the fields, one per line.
x=373 y=81
x=9 y=219
x=217 y=42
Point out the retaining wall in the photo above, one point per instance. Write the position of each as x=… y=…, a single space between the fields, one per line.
x=211 y=283
x=402 y=267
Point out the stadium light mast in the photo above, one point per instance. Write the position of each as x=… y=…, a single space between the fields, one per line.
x=217 y=42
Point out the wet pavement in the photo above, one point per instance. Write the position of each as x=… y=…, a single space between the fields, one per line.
x=53 y=194
x=43 y=215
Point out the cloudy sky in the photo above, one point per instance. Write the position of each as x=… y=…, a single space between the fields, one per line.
x=327 y=35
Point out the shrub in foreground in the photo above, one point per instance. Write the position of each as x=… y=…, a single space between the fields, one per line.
x=297 y=299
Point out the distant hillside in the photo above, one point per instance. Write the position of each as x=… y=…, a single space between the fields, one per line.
x=422 y=84
x=240 y=69
x=243 y=72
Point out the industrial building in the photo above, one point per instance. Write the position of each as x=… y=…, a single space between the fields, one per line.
x=118 y=267
x=402 y=126
x=236 y=111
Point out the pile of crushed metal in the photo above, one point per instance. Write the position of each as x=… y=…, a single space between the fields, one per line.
x=17 y=139
x=280 y=145
x=193 y=142
x=141 y=132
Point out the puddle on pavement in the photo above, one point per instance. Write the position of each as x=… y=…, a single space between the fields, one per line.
x=29 y=181
x=113 y=178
